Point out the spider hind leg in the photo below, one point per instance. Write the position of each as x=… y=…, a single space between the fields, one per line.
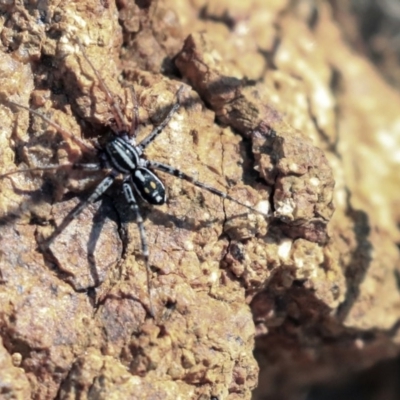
x=131 y=200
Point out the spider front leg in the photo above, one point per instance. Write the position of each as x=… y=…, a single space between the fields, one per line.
x=119 y=118
x=64 y=133
x=135 y=119
x=181 y=175
x=82 y=167
x=99 y=190
x=131 y=200
x=158 y=129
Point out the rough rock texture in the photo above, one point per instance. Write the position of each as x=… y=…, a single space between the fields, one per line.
x=277 y=111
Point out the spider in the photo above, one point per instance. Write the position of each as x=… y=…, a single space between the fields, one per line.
x=122 y=156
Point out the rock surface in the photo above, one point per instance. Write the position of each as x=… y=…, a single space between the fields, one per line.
x=276 y=110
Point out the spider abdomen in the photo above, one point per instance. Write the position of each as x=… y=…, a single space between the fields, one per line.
x=149 y=186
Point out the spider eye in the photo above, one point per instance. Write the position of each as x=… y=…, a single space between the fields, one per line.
x=149 y=186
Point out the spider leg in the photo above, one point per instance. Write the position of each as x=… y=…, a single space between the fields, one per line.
x=135 y=119
x=98 y=191
x=87 y=167
x=131 y=200
x=121 y=123
x=44 y=168
x=181 y=175
x=158 y=129
x=59 y=128
x=82 y=167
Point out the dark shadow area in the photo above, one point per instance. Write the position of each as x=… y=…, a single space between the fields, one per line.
x=381 y=382
x=372 y=27
x=36 y=197
x=43 y=195
x=225 y=19
x=104 y=212
x=306 y=346
x=361 y=257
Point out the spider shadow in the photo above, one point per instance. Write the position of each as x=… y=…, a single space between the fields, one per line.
x=105 y=211
x=102 y=213
x=161 y=218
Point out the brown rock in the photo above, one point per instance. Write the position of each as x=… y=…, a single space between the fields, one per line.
x=15 y=384
x=262 y=123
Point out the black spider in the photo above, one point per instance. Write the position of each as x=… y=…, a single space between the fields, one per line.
x=121 y=155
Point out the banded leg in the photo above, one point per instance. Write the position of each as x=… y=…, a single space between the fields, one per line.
x=135 y=119
x=87 y=167
x=181 y=175
x=100 y=189
x=60 y=129
x=121 y=123
x=158 y=129
x=82 y=167
x=44 y=168
x=131 y=200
